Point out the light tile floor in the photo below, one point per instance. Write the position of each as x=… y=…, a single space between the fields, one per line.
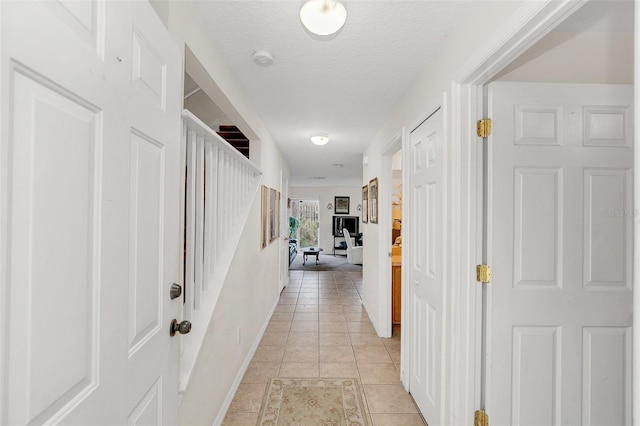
x=320 y=329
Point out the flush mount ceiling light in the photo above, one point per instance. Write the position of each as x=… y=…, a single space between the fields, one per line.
x=323 y=17
x=320 y=139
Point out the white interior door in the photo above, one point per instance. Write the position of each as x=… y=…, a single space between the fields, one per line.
x=426 y=265
x=284 y=231
x=559 y=306
x=153 y=66
x=88 y=243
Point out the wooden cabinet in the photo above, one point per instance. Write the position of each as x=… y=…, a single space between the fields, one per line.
x=396 y=293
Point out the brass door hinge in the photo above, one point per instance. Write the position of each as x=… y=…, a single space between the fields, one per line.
x=484 y=127
x=481 y=418
x=483 y=273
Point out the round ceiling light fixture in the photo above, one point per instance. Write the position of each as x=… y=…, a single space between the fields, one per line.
x=320 y=139
x=263 y=58
x=323 y=17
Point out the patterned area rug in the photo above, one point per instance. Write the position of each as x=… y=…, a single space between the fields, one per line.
x=313 y=402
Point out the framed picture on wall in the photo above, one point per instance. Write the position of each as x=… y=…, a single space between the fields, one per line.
x=365 y=204
x=341 y=205
x=264 y=217
x=373 y=200
x=273 y=214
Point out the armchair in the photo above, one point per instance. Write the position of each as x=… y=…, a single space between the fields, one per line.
x=354 y=254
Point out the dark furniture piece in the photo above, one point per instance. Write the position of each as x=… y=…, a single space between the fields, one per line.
x=352 y=223
x=293 y=250
x=310 y=251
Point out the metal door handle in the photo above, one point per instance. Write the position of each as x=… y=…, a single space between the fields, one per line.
x=183 y=327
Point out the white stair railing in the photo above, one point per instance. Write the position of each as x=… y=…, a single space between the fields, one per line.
x=220 y=187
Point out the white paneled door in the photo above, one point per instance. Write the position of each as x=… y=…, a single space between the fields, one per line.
x=559 y=305
x=426 y=261
x=90 y=109
x=284 y=231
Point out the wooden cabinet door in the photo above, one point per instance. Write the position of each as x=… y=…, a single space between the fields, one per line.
x=396 y=294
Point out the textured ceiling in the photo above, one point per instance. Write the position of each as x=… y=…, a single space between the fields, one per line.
x=346 y=86
x=349 y=85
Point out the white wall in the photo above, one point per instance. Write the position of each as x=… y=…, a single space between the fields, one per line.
x=203 y=107
x=423 y=97
x=564 y=57
x=544 y=63
x=249 y=293
x=326 y=195
x=245 y=303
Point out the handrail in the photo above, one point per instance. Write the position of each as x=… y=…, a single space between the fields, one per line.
x=211 y=136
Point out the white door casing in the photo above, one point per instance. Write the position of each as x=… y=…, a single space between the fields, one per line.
x=426 y=263
x=383 y=325
x=559 y=305
x=89 y=191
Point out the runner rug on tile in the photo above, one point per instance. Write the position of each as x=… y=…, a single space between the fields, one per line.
x=313 y=402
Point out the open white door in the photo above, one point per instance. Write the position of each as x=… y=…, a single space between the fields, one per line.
x=426 y=262
x=284 y=231
x=154 y=128
x=559 y=306
x=90 y=96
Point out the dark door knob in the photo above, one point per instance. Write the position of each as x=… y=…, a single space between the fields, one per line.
x=176 y=291
x=179 y=327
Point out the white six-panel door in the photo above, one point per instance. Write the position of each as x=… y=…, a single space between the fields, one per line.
x=284 y=231
x=90 y=99
x=560 y=247
x=426 y=267
x=154 y=73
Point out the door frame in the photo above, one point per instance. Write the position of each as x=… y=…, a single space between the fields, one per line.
x=317 y=200
x=464 y=322
x=394 y=145
x=635 y=362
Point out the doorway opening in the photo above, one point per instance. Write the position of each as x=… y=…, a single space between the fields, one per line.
x=390 y=246
x=396 y=242
x=308 y=214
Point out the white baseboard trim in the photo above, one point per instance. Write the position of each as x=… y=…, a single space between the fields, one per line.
x=372 y=316
x=243 y=369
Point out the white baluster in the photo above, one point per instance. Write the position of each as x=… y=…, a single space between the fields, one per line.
x=199 y=222
x=213 y=196
x=222 y=184
x=227 y=197
x=235 y=191
x=190 y=222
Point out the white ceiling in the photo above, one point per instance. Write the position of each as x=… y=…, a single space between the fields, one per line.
x=346 y=86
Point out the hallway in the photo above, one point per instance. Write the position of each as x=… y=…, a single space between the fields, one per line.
x=320 y=329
